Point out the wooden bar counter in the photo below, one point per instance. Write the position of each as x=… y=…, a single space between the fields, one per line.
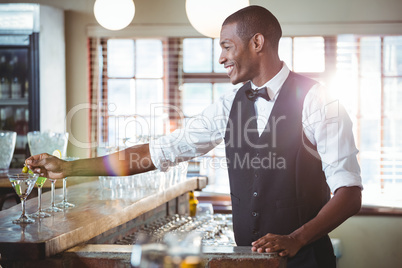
x=85 y=236
x=96 y=211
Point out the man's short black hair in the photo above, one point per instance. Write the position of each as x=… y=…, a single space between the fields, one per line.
x=256 y=19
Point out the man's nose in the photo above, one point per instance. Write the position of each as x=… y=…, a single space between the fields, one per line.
x=222 y=59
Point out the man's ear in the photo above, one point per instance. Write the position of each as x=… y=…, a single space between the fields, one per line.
x=257 y=42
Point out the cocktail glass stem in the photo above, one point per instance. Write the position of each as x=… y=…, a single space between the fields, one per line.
x=65 y=190
x=23 y=218
x=39 y=200
x=23 y=208
x=64 y=203
x=53 y=208
x=52 y=193
x=40 y=213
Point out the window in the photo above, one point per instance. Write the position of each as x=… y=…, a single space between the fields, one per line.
x=204 y=79
x=364 y=72
x=134 y=81
x=379 y=118
x=305 y=55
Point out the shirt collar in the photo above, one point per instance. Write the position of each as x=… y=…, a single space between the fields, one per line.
x=275 y=84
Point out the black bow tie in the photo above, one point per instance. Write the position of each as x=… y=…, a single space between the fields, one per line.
x=253 y=94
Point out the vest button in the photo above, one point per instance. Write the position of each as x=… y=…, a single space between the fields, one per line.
x=256 y=175
x=255 y=194
x=255 y=214
x=255 y=232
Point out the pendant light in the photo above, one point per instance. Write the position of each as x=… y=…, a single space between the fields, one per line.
x=114 y=14
x=207 y=16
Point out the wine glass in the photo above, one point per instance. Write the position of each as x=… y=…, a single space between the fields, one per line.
x=64 y=203
x=23 y=184
x=52 y=207
x=40 y=213
x=47 y=142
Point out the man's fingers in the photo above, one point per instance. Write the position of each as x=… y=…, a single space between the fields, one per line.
x=263 y=240
x=37 y=160
x=284 y=253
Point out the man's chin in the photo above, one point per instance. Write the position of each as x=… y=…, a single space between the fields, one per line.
x=235 y=81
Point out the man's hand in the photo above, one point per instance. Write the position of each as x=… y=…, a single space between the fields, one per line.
x=285 y=245
x=46 y=165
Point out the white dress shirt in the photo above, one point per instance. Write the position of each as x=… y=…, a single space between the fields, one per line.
x=325 y=123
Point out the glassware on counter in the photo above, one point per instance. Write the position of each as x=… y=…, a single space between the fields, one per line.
x=47 y=142
x=23 y=184
x=64 y=203
x=205 y=209
x=7 y=146
x=175 y=250
x=40 y=213
x=52 y=207
x=148 y=253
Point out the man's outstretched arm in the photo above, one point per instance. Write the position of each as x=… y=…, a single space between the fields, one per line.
x=133 y=160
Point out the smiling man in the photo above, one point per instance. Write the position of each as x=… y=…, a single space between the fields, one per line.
x=288 y=146
x=286 y=208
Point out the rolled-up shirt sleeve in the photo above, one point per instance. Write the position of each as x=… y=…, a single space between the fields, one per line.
x=328 y=126
x=199 y=135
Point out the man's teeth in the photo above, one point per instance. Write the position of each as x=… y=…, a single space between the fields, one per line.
x=229 y=69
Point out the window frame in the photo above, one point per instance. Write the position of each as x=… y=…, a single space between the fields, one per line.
x=330 y=50
x=103 y=112
x=174 y=77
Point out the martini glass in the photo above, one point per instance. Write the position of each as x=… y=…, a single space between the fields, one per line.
x=52 y=207
x=64 y=203
x=23 y=184
x=40 y=213
x=47 y=142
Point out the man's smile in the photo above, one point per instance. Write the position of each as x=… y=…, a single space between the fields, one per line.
x=229 y=69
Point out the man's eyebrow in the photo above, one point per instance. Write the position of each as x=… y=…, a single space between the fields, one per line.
x=224 y=42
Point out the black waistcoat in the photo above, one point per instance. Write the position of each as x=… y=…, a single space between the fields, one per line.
x=276 y=182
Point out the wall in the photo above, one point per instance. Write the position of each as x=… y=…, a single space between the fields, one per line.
x=370 y=242
x=52 y=69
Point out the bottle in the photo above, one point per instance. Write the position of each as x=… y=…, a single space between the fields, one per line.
x=193 y=204
x=26 y=89
x=7 y=117
x=16 y=83
x=4 y=78
x=21 y=127
x=15 y=88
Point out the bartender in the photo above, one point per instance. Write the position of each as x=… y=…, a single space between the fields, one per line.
x=288 y=147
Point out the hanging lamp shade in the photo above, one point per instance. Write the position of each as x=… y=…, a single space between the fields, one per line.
x=114 y=14
x=207 y=16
